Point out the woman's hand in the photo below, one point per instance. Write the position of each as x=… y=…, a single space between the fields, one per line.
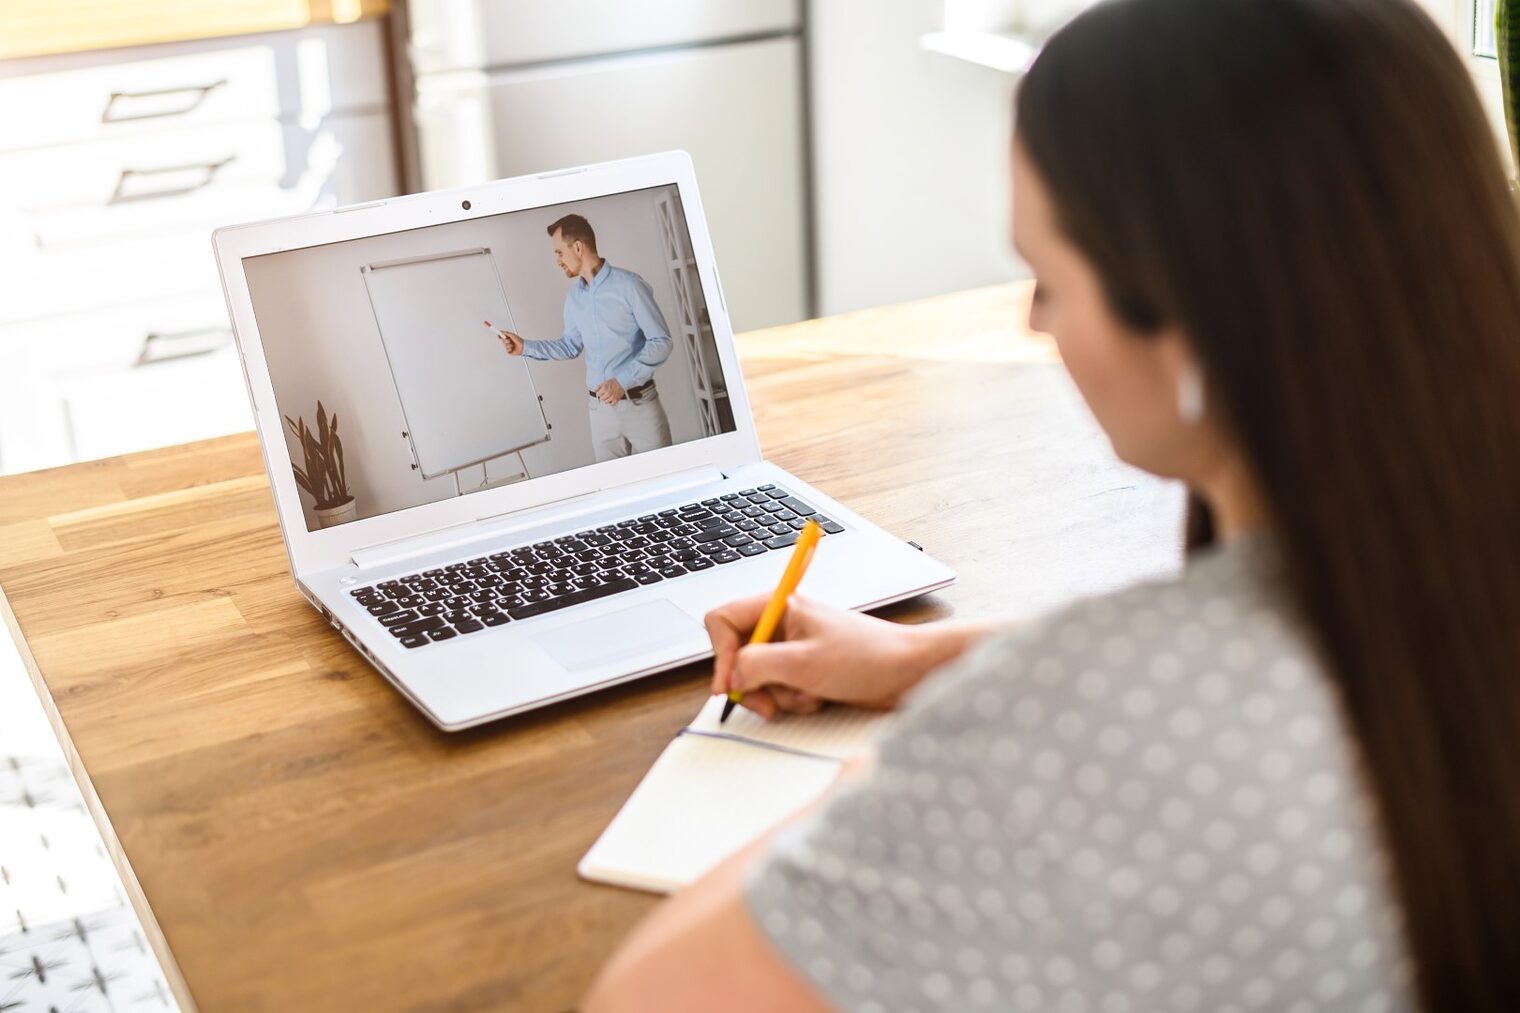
x=819 y=653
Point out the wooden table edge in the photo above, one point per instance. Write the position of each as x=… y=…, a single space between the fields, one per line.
x=135 y=894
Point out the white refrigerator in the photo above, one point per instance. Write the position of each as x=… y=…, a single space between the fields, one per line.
x=506 y=89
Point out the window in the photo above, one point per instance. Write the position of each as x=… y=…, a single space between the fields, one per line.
x=1483 y=43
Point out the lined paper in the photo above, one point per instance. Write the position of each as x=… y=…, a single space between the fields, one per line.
x=839 y=732
x=706 y=798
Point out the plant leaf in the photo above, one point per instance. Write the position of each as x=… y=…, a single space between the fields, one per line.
x=342 y=475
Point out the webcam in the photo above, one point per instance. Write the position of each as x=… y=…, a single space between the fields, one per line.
x=465 y=205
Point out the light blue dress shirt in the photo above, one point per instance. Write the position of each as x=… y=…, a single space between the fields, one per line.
x=615 y=322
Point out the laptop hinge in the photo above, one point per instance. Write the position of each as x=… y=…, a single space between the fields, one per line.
x=495 y=526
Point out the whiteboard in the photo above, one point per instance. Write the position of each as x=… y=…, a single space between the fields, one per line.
x=465 y=400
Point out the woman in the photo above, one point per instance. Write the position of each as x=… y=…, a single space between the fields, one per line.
x=1273 y=241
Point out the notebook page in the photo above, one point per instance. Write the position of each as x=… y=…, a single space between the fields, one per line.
x=840 y=732
x=702 y=800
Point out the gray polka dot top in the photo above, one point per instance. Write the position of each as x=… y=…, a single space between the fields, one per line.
x=1143 y=802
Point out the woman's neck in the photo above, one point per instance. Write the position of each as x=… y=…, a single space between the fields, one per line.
x=1234 y=498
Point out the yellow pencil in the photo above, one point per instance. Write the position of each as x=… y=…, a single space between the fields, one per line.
x=802 y=555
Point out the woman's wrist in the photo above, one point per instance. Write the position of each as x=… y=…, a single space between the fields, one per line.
x=927 y=646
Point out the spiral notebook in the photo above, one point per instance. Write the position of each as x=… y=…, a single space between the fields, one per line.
x=717 y=787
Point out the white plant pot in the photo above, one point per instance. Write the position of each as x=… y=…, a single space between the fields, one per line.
x=340 y=514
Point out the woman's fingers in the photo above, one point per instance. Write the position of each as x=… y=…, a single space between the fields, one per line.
x=762 y=703
x=794 y=701
x=728 y=627
x=775 y=664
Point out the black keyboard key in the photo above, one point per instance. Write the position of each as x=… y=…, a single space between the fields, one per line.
x=701 y=563
x=798 y=507
x=415 y=641
x=781 y=541
x=419 y=627
x=697 y=515
x=495 y=619
x=747 y=525
x=729 y=496
x=399 y=618
x=441 y=634
x=829 y=527
x=384 y=608
x=648 y=578
x=726 y=556
x=773 y=507
x=712 y=548
x=362 y=592
x=431 y=608
x=753 y=511
x=738 y=540
x=797 y=523
x=683 y=555
x=673 y=570
x=766 y=488
x=752 y=549
x=713 y=534
x=580 y=597
x=469 y=626
x=777 y=493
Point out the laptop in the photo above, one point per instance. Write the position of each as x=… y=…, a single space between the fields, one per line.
x=509 y=440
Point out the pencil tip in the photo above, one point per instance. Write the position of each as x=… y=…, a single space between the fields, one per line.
x=728 y=708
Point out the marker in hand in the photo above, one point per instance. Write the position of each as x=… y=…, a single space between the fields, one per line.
x=512 y=343
x=802 y=555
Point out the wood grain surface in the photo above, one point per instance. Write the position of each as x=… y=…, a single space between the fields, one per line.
x=307 y=841
x=45 y=27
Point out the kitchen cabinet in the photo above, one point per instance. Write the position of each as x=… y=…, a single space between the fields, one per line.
x=117 y=165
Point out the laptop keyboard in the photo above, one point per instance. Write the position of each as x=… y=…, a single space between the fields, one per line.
x=488 y=591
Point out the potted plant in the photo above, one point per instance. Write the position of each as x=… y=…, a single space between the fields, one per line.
x=324 y=477
x=1507 y=45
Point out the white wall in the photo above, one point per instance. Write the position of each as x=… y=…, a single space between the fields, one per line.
x=910 y=154
x=321 y=341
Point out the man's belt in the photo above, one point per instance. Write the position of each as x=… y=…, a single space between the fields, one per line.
x=644 y=388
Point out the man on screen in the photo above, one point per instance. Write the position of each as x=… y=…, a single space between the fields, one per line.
x=610 y=315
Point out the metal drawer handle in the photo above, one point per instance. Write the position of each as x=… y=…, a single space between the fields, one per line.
x=197 y=94
x=166 y=346
x=210 y=169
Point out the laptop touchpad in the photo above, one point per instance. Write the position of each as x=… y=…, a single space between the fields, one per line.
x=653 y=626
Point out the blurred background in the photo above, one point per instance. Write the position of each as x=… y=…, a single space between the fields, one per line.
x=850 y=153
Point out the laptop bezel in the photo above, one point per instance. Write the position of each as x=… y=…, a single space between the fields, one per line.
x=313 y=551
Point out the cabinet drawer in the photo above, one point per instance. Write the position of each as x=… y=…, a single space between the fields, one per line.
x=204 y=179
x=65 y=260
x=51 y=370
x=453 y=34
x=81 y=96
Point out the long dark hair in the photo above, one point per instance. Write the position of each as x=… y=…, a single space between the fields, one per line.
x=1310 y=190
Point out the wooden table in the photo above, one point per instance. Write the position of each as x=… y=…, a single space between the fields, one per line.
x=307 y=841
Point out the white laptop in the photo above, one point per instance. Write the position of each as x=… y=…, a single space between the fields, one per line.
x=534 y=467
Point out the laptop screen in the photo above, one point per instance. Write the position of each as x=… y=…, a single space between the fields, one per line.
x=436 y=362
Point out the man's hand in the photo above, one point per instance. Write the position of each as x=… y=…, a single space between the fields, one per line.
x=610 y=392
x=511 y=342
